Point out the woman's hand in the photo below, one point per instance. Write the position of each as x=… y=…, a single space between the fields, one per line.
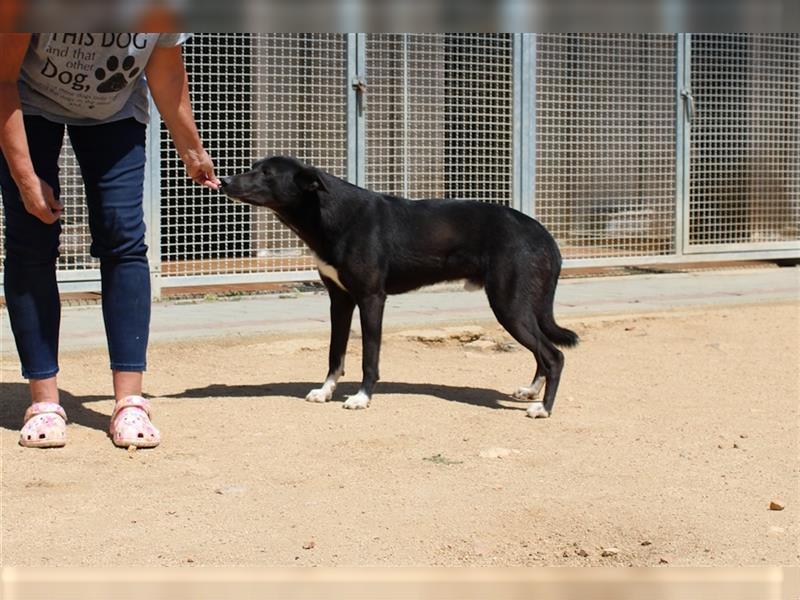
x=200 y=168
x=39 y=200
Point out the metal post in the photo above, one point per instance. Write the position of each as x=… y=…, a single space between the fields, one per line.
x=516 y=116
x=529 y=120
x=524 y=136
x=683 y=142
x=406 y=103
x=152 y=199
x=356 y=119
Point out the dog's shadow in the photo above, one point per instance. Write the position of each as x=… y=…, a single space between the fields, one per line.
x=483 y=397
x=15 y=399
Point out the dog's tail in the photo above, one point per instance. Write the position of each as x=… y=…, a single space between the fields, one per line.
x=556 y=334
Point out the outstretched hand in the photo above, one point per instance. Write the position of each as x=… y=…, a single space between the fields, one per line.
x=200 y=168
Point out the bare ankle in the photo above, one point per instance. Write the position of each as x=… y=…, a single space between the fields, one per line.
x=43 y=390
x=127 y=383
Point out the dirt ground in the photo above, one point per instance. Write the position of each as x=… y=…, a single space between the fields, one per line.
x=671 y=435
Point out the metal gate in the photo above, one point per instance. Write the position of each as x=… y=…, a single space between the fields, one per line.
x=744 y=183
x=630 y=148
x=605 y=179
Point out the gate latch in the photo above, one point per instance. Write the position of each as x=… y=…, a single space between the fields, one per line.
x=688 y=101
x=360 y=86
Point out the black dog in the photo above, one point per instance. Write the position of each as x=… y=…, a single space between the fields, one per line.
x=368 y=245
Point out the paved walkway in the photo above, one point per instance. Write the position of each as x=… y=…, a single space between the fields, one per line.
x=82 y=326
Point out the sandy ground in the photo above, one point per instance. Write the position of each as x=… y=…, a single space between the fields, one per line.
x=672 y=433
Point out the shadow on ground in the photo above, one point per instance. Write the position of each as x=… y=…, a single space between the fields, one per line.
x=484 y=397
x=16 y=399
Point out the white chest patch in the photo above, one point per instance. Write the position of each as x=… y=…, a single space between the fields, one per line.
x=329 y=271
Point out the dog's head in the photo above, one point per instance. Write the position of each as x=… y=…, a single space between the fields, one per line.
x=276 y=182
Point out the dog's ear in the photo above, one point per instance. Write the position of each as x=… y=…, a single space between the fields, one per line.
x=310 y=180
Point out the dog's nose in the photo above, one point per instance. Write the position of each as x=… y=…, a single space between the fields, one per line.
x=223 y=181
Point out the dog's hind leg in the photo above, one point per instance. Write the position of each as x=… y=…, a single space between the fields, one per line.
x=516 y=317
x=549 y=359
x=531 y=392
x=342 y=306
x=371 y=312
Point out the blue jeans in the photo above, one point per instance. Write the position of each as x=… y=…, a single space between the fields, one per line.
x=111 y=158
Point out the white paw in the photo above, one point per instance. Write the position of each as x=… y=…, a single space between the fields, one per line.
x=320 y=395
x=536 y=411
x=360 y=400
x=530 y=392
x=526 y=393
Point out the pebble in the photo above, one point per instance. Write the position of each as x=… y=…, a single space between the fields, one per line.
x=609 y=552
x=309 y=545
x=776 y=505
x=497 y=452
x=646 y=543
x=231 y=490
x=582 y=552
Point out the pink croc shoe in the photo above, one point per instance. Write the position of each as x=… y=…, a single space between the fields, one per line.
x=45 y=426
x=131 y=426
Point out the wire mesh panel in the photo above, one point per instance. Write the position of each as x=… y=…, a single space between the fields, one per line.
x=75 y=236
x=745 y=139
x=439 y=115
x=253 y=96
x=605 y=143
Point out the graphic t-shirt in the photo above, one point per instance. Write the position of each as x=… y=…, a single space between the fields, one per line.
x=89 y=78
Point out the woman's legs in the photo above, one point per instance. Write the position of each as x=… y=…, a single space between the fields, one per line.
x=29 y=274
x=112 y=159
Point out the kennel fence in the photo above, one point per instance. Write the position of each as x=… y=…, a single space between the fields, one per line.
x=631 y=148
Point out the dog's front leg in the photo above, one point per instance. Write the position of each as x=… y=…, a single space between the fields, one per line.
x=371 y=311
x=342 y=306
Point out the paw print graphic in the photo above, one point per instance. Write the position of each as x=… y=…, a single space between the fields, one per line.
x=111 y=81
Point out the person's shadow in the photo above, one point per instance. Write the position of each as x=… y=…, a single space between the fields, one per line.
x=16 y=399
x=484 y=397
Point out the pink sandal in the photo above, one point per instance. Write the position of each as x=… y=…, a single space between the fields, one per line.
x=45 y=426
x=131 y=426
